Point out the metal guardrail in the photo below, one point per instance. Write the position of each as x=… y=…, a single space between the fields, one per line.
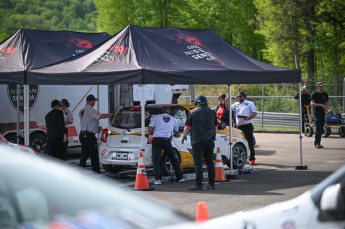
x=276 y=119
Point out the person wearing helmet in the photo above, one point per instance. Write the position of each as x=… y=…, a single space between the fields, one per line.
x=68 y=118
x=202 y=123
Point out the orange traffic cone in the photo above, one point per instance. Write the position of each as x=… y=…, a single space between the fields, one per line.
x=220 y=175
x=141 y=181
x=201 y=212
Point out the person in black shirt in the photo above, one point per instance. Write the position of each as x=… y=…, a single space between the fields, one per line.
x=319 y=100
x=203 y=123
x=305 y=99
x=56 y=135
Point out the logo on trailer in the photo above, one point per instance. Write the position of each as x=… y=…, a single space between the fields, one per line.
x=12 y=95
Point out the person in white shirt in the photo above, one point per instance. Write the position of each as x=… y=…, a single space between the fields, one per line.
x=163 y=127
x=89 y=124
x=245 y=111
x=68 y=118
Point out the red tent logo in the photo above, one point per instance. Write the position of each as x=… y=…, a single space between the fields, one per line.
x=197 y=50
x=6 y=52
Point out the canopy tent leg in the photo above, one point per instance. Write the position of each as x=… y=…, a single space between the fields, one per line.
x=232 y=175
x=142 y=105
x=26 y=116
x=300 y=166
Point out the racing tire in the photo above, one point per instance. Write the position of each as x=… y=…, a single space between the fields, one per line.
x=37 y=142
x=166 y=166
x=341 y=131
x=112 y=168
x=240 y=156
x=326 y=132
x=308 y=131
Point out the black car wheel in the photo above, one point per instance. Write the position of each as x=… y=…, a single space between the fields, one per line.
x=166 y=166
x=37 y=142
x=240 y=156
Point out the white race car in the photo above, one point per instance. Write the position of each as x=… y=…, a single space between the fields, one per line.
x=120 y=144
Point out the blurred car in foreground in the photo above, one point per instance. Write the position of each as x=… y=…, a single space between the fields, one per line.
x=38 y=193
x=18 y=147
x=120 y=143
x=321 y=207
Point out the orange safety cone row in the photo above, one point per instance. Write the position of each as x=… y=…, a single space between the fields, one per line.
x=201 y=212
x=220 y=175
x=141 y=181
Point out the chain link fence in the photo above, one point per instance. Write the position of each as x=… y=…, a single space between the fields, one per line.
x=280 y=112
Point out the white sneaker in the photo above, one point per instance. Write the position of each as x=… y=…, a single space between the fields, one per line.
x=157 y=182
x=182 y=180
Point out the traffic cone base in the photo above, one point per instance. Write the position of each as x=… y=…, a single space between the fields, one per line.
x=141 y=181
x=220 y=174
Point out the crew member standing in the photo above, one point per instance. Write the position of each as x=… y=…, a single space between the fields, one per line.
x=89 y=124
x=319 y=100
x=222 y=111
x=305 y=102
x=245 y=111
x=56 y=135
x=163 y=127
x=68 y=118
x=203 y=123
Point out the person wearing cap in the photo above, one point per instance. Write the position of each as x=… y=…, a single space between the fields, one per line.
x=163 y=127
x=56 y=135
x=68 y=118
x=319 y=101
x=305 y=99
x=245 y=111
x=89 y=124
x=202 y=123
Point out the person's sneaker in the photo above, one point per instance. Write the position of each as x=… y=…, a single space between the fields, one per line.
x=157 y=182
x=210 y=186
x=182 y=180
x=252 y=162
x=195 y=188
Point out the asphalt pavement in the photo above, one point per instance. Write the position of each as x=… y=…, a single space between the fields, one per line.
x=273 y=178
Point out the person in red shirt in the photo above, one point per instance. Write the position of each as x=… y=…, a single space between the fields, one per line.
x=221 y=110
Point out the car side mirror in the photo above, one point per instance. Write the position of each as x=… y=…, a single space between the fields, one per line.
x=332 y=205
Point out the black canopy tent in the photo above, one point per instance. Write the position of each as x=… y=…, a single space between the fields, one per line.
x=141 y=55
x=28 y=49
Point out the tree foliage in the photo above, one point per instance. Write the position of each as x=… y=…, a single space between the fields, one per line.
x=304 y=34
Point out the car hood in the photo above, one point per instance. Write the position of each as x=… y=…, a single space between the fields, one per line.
x=293 y=213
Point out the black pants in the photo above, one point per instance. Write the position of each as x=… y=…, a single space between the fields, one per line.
x=89 y=148
x=159 y=144
x=248 y=133
x=319 y=124
x=199 y=151
x=55 y=147
x=65 y=144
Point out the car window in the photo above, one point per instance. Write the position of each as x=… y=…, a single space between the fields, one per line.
x=130 y=118
x=181 y=115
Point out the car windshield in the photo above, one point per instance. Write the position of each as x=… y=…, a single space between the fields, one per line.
x=37 y=193
x=130 y=118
